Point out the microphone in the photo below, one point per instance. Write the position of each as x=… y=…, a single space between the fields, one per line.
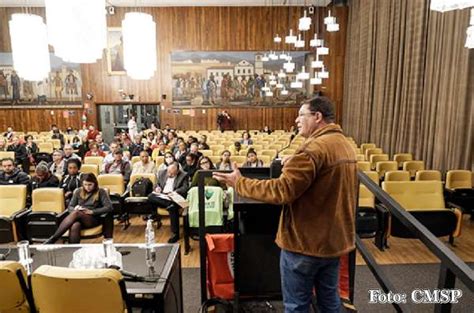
x=285 y=147
x=275 y=166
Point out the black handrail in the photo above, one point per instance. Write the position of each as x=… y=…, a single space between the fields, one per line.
x=451 y=265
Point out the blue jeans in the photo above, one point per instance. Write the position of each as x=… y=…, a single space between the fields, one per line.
x=300 y=273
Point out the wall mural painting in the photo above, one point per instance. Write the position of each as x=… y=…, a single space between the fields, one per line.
x=62 y=86
x=232 y=78
x=115 y=51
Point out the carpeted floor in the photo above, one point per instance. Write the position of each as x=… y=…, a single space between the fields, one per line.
x=404 y=277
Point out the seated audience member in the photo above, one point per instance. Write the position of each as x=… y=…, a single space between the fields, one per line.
x=246 y=139
x=145 y=165
x=57 y=135
x=150 y=138
x=225 y=164
x=76 y=142
x=194 y=149
x=161 y=150
x=58 y=166
x=31 y=149
x=181 y=152
x=169 y=159
x=191 y=165
x=72 y=180
x=137 y=146
x=83 y=133
x=87 y=205
x=206 y=164
x=43 y=177
x=119 y=166
x=109 y=158
x=94 y=150
x=102 y=145
x=21 y=154
x=70 y=131
x=203 y=143
x=69 y=153
x=9 y=134
x=235 y=149
x=126 y=142
x=92 y=133
x=252 y=160
x=171 y=180
x=191 y=140
x=11 y=175
x=266 y=129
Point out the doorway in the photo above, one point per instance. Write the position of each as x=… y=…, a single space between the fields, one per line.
x=113 y=118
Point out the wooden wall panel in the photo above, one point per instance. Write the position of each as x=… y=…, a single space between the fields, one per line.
x=38 y=119
x=207 y=29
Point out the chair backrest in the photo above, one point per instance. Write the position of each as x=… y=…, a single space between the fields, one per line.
x=216 y=148
x=374 y=158
x=98 y=160
x=7 y=154
x=266 y=159
x=59 y=289
x=12 y=298
x=113 y=182
x=428 y=175
x=360 y=157
x=384 y=166
x=239 y=159
x=373 y=175
x=12 y=199
x=270 y=152
x=46 y=147
x=413 y=167
x=215 y=159
x=288 y=152
x=206 y=152
x=90 y=168
x=135 y=159
x=363 y=165
x=397 y=176
x=402 y=157
x=372 y=151
x=417 y=195
x=48 y=199
x=458 y=179
x=150 y=176
x=366 y=146
x=56 y=143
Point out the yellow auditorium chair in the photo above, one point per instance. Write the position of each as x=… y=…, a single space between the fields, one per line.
x=256 y=147
x=425 y=201
x=243 y=152
x=413 y=167
x=206 y=152
x=384 y=166
x=372 y=151
x=402 y=157
x=374 y=158
x=428 y=175
x=459 y=190
x=15 y=296
x=287 y=152
x=114 y=183
x=135 y=159
x=7 y=154
x=363 y=165
x=270 y=152
x=397 y=176
x=61 y=289
x=12 y=212
x=265 y=159
x=47 y=212
x=90 y=168
x=367 y=225
x=274 y=147
x=216 y=149
x=360 y=157
x=215 y=159
x=45 y=147
x=239 y=159
x=56 y=143
x=159 y=160
x=137 y=204
x=97 y=160
x=366 y=146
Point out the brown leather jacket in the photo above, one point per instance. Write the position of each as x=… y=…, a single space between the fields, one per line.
x=318 y=188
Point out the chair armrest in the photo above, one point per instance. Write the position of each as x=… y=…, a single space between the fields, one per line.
x=452 y=205
x=61 y=216
x=21 y=213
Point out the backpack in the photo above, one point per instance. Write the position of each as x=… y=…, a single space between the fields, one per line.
x=142 y=187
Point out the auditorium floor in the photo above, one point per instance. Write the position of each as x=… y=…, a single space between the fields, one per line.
x=401 y=251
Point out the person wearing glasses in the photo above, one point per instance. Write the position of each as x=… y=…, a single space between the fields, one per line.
x=206 y=164
x=318 y=190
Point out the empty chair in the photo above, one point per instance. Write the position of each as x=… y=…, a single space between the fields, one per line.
x=428 y=175
x=397 y=176
x=366 y=146
x=7 y=154
x=15 y=297
x=360 y=157
x=367 y=225
x=239 y=159
x=206 y=152
x=90 y=168
x=270 y=152
x=216 y=148
x=56 y=143
x=265 y=159
x=374 y=158
x=12 y=212
x=363 y=165
x=384 y=166
x=402 y=157
x=458 y=179
x=60 y=289
x=425 y=201
x=372 y=151
x=46 y=147
x=47 y=211
x=413 y=167
x=97 y=160
x=114 y=183
x=287 y=152
x=159 y=160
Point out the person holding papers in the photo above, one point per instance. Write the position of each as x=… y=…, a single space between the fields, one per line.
x=172 y=185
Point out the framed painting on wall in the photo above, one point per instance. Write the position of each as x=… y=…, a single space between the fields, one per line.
x=115 y=51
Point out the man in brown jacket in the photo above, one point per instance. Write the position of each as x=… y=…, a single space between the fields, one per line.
x=318 y=190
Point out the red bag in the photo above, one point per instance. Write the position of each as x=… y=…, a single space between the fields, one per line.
x=220 y=265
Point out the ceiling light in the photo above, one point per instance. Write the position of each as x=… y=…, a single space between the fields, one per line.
x=290 y=39
x=304 y=22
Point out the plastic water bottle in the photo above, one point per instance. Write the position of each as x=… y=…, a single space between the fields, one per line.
x=149 y=233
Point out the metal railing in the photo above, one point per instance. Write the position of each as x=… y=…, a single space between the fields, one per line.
x=452 y=266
